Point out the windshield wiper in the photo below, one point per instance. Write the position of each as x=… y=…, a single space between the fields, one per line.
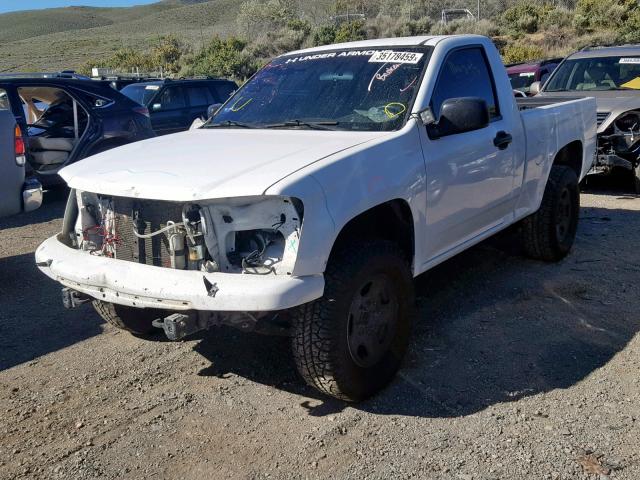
x=228 y=123
x=297 y=123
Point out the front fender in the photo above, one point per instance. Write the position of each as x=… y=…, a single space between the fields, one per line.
x=354 y=181
x=317 y=224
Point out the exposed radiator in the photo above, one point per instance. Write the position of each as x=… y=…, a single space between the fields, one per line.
x=148 y=216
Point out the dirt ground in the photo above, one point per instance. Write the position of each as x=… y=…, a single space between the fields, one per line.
x=518 y=370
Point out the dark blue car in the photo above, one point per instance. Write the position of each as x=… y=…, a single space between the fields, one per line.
x=175 y=104
x=64 y=120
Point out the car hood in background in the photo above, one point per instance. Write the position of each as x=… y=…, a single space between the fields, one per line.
x=207 y=163
x=610 y=102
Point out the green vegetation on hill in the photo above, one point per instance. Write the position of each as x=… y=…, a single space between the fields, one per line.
x=233 y=38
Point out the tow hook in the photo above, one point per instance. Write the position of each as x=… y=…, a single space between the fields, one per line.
x=73 y=299
x=179 y=325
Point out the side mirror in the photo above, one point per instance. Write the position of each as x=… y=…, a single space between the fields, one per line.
x=535 y=88
x=156 y=106
x=213 y=109
x=460 y=115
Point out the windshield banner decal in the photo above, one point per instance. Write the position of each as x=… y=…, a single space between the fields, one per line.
x=376 y=56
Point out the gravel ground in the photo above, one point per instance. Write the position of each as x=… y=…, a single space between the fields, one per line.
x=518 y=369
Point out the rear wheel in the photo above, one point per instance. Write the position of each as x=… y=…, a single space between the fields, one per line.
x=131 y=319
x=549 y=233
x=350 y=343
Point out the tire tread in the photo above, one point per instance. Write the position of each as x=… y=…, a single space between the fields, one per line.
x=316 y=359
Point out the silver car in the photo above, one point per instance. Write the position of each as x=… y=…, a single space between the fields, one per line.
x=18 y=191
x=612 y=76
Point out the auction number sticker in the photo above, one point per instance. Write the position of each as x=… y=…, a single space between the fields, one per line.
x=389 y=56
x=635 y=60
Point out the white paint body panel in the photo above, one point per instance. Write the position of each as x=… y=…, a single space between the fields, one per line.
x=459 y=190
x=206 y=163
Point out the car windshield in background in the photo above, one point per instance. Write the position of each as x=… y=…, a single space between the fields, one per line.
x=596 y=74
x=342 y=90
x=140 y=93
x=522 y=81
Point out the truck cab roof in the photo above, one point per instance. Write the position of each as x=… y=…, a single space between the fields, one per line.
x=415 y=41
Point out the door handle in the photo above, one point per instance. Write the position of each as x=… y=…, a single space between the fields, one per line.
x=502 y=140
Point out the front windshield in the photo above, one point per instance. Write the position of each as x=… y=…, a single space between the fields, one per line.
x=141 y=94
x=342 y=90
x=522 y=81
x=596 y=74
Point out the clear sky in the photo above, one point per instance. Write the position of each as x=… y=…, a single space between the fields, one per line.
x=14 y=5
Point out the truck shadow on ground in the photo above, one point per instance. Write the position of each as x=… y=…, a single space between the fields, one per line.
x=492 y=327
x=33 y=321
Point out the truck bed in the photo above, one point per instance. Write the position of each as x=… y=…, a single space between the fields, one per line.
x=550 y=124
x=538 y=101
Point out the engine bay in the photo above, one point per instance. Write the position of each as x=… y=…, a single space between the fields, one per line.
x=255 y=235
x=619 y=144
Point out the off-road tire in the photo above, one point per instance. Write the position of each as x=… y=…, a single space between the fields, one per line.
x=542 y=235
x=321 y=328
x=134 y=320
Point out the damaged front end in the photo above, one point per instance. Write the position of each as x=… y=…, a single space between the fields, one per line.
x=205 y=263
x=254 y=235
x=619 y=145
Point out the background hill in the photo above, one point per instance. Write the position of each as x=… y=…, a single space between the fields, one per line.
x=234 y=37
x=59 y=38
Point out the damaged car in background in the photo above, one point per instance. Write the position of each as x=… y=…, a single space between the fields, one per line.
x=65 y=118
x=612 y=76
x=313 y=196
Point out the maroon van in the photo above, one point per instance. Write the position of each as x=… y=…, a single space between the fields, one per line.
x=522 y=75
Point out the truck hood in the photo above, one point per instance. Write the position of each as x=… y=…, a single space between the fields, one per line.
x=207 y=163
x=610 y=103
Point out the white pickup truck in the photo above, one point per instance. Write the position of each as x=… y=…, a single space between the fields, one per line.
x=315 y=194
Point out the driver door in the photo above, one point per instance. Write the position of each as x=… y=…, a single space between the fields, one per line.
x=469 y=178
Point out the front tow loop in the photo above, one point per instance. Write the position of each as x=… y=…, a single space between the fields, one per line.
x=179 y=325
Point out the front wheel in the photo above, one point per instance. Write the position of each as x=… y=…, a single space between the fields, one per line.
x=350 y=343
x=135 y=320
x=549 y=233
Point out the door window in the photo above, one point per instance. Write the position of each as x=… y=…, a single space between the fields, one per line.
x=199 y=96
x=52 y=112
x=545 y=77
x=465 y=73
x=224 y=90
x=171 y=98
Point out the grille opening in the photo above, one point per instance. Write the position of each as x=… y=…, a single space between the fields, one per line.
x=601 y=117
x=146 y=216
